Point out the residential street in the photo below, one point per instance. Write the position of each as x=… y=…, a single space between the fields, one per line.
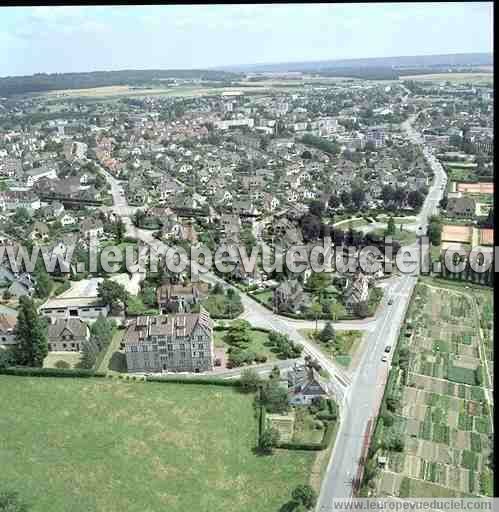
x=358 y=393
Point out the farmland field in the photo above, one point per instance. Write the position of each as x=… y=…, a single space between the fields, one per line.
x=453 y=77
x=437 y=399
x=109 y=445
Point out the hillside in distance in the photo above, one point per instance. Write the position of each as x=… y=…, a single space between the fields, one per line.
x=43 y=82
x=419 y=61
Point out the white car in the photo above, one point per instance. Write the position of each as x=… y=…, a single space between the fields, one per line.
x=384 y=359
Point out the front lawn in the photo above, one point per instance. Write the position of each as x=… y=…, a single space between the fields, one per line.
x=259 y=343
x=110 y=446
x=342 y=349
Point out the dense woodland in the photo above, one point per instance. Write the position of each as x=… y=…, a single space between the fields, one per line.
x=42 y=82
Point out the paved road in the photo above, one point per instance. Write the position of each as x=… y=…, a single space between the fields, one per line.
x=254 y=312
x=364 y=395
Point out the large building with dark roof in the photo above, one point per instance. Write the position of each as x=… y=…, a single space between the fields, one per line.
x=181 y=342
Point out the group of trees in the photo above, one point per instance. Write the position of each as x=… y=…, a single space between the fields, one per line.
x=314 y=229
x=355 y=199
x=112 y=294
x=285 y=348
x=101 y=333
x=40 y=82
x=321 y=143
x=239 y=337
x=397 y=197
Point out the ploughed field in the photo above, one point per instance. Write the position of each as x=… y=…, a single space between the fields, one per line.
x=109 y=445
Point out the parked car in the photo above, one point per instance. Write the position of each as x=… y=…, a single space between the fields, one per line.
x=384 y=359
x=388 y=348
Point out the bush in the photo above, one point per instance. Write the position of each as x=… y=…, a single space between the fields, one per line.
x=261 y=358
x=250 y=380
x=62 y=364
x=268 y=439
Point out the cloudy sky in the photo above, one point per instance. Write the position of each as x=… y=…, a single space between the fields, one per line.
x=71 y=39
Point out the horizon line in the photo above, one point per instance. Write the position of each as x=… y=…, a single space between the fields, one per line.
x=226 y=67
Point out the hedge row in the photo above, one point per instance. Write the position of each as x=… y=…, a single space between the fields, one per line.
x=331 y=415
x=23 y=371
x=196 y=380
x=82 y=373
x=225 y=327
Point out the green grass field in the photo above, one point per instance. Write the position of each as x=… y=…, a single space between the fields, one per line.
x=404 y=237
x=105 y=445
x=342 y=352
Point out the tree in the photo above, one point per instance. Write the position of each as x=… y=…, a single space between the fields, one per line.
x=149 y=296
x=334 y=310
x=10 y=502
x=358 y=197
x=31 y=337
x=112 y=293
x=415 y=199
x=318 y=281
x=89 y=355
x=268 y=439
x=21 y=216
x=346 y=199
x=274 y=397
x=138 y=218
x=101 y=331
x=327 y=334
x=334 y=201
x=316 y=208
x=316 y=311
x=311 y=227
x=390 y=227
x=435 y=230
x=250 y=380
x=238 y=334
x=119 y=230
x=305 y=495
x=44 y=284
x=275 y=373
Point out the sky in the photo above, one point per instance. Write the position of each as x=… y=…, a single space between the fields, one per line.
x=89 y=38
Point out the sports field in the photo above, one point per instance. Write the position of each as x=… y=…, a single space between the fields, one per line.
x=107 y=445
x=476 y=188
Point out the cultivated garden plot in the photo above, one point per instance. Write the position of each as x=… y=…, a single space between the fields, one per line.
x=435 y=424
